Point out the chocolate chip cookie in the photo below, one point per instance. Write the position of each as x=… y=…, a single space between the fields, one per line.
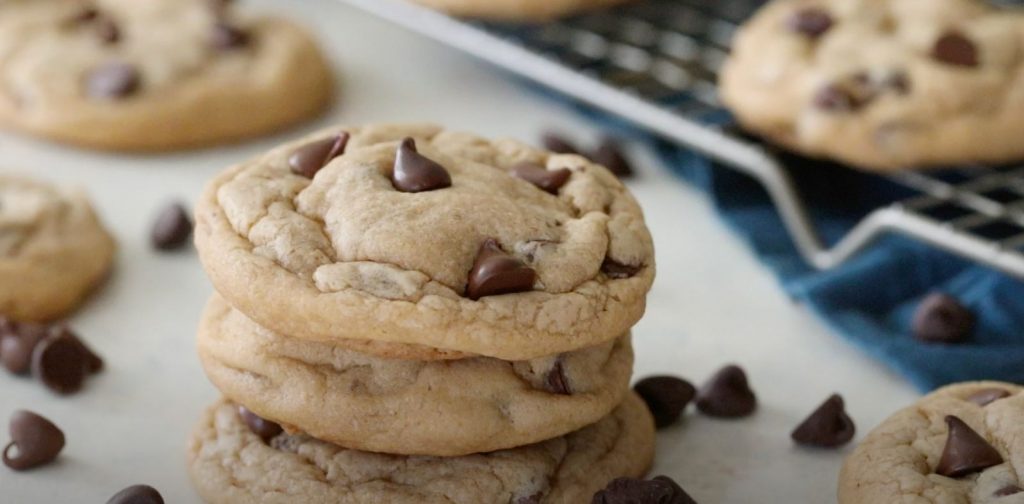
x=153 y=75
x=53 y=249
x=882 y=84
x=962 y=443
x=517 y=10
x=414 y=235
x=445 y=408
x=231 y=464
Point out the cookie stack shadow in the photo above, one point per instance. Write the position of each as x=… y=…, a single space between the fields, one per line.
x=502 y=393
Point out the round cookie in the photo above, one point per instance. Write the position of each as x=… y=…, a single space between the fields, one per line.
x=347 y=255
x=882 y=84
x=443 y=408
x=231 y=465
x=153 y=75
x=900 y=459
x=517 y=10
x=53 y=249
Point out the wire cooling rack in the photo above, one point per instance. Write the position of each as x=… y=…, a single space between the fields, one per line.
x=655 y=63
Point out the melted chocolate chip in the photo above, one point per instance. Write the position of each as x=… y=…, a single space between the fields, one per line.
x=966 y=452
x=548 y=180
x=226 y=36
x=827 y=427
x=557 y=143
x=556 y=382
x=812 y=22
x=17 y=344
x=415 y=172
x=310 y=158
x=36 y=440
x=172 y=228
x=942 y=319
x=260 y=426
x=984 y=397
x=836 y=98
x=113 y=81
x=60 y=363
x=494 y=273
x=137 y=494
x=1008 y=490
x=660 y=490
x=727 y=394
x=610 y=155
x=108 y=31
x=953 y=48
x=618 y=271
x=666 y=397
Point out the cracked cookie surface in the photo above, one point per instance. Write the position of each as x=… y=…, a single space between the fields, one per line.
x=882 y=84
x=897 y=461
x=444 y=408
x=154 y=74
x=517 y=10
x=346 y=255
x=231 y=465
x=53 y=249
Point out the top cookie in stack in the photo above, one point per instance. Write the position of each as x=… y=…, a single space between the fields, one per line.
x=408 y=235
x=882 y=84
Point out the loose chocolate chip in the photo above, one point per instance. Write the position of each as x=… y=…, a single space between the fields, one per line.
x=828 y=426
x=494 y=272
x=660 y=490
x=727 y=394
x=37 y=441
x=556 y=381
x=310 y=158
x=984 y=397
x=415 y=172
x=16 y=346
x=107 y=31
x=113 y=81
x=137 y=494
x=548 y=180
x=60 y=363
x=172 y=227
x=942 y=319
x=811 y=21
x=557 y=143
x=226 y=36
x=953 y=48
x=836 y=98
x=618 y=271
x=93 y=362
x=1008 y=490
x=666 y=397
x=260 y=426
x=966 y=452
x=609 y=154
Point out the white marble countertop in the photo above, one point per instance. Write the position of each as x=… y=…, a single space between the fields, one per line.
x=712 y=302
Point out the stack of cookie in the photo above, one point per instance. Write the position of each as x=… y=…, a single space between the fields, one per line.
x=406 y=314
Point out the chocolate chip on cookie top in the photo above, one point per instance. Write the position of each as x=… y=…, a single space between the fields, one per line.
x=310 y=158
x=987 y=396
x=966 y=452
x=812 y=22
x=113 y=81
x=414 y=172
x=954 y=48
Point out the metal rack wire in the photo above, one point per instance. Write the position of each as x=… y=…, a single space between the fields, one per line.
x=655 y=63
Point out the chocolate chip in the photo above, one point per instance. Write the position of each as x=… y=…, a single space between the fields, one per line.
x=609 y=154
x=93 y=362
x=415 y=172
x=942 y=319
x=828 y=426
x=530 y=499
x=84 y=15
x=557 y=143
x=618 y=271
x=172 y=228
x=836 y=98
x=953 y=48
x=666 y=397
x=556 y=382
x=727 y=394
x=494 y=272
x=660 y=490
x=226 y=36
x=310 y=158
x=966 y=452
x=984 y=397
x=137 y=494
x=1008 y=490
x=37 y=441
x=17 y=344
x=548 y=180
x=113 y=81
x=60 y=363
x=811 y=21
x=108 y=31
x=260 y=426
